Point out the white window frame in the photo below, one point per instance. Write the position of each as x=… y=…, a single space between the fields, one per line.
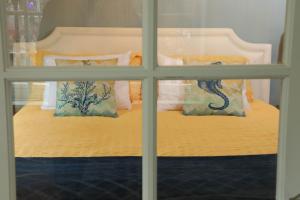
x=288 y=180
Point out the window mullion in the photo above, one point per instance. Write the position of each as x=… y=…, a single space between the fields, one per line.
x=4 y=57
x=7 y=187
x=290 y=107
x=223 y=72
x=150 y=33
x=2 y=39
x=60 y=73
x=149 y=100
x=288 y=33
x=4 y=164
x=149 y=139
x=7 y=169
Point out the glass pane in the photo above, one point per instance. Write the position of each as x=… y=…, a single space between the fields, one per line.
x=38 y=31
x=217 y=139
x=78 y=140
x=251 y=29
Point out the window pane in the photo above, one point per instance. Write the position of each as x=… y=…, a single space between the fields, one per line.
x=250 y=28
x=77 y=140
x=94 y=30
x=217 y=139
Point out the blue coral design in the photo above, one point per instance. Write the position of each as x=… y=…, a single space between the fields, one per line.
x=83 y=95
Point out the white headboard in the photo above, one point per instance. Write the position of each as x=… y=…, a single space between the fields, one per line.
x=172 y=41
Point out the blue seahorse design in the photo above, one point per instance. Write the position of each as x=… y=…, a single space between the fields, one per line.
x=213 y=86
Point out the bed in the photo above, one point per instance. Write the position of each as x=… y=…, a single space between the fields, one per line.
x=207 y=157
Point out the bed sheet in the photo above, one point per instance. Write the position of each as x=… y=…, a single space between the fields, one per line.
x=37 y=133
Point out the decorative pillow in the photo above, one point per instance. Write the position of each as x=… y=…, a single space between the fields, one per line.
x=121 y=87
x=221 y=59
x=136 y=92
x=214 y=97
x=86 y=98
x=249 y=91
x=136 y=86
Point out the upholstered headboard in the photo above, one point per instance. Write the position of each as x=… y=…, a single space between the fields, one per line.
x=171 y=41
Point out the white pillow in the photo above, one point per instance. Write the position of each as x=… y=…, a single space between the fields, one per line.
x=170 y=92
x=246 y=103
x=121 y=87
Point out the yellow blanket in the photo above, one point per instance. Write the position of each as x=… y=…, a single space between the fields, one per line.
x=39 y=134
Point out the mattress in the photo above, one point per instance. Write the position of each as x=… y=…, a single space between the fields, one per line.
x=39 y=134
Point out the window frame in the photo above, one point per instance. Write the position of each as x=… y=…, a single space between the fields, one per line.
x=288 y=160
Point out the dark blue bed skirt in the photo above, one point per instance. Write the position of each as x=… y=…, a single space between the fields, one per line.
x=116 y=178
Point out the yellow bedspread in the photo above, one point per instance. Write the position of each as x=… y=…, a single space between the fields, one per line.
x=39 y=134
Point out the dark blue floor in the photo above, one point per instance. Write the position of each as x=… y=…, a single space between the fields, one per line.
x=203 y=178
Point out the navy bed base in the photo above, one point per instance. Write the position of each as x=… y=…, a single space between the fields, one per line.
x=116 y=178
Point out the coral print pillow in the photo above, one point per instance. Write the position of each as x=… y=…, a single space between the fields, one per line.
x=214 y=97
x=86 y=98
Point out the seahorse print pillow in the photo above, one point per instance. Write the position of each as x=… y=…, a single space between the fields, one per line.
x=86 y=98
x=214 y=97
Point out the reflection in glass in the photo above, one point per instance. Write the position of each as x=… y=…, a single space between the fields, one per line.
x=77 y=140
x=23 y=23
x=32 y=26
x=217 y=139
x=252 y=21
